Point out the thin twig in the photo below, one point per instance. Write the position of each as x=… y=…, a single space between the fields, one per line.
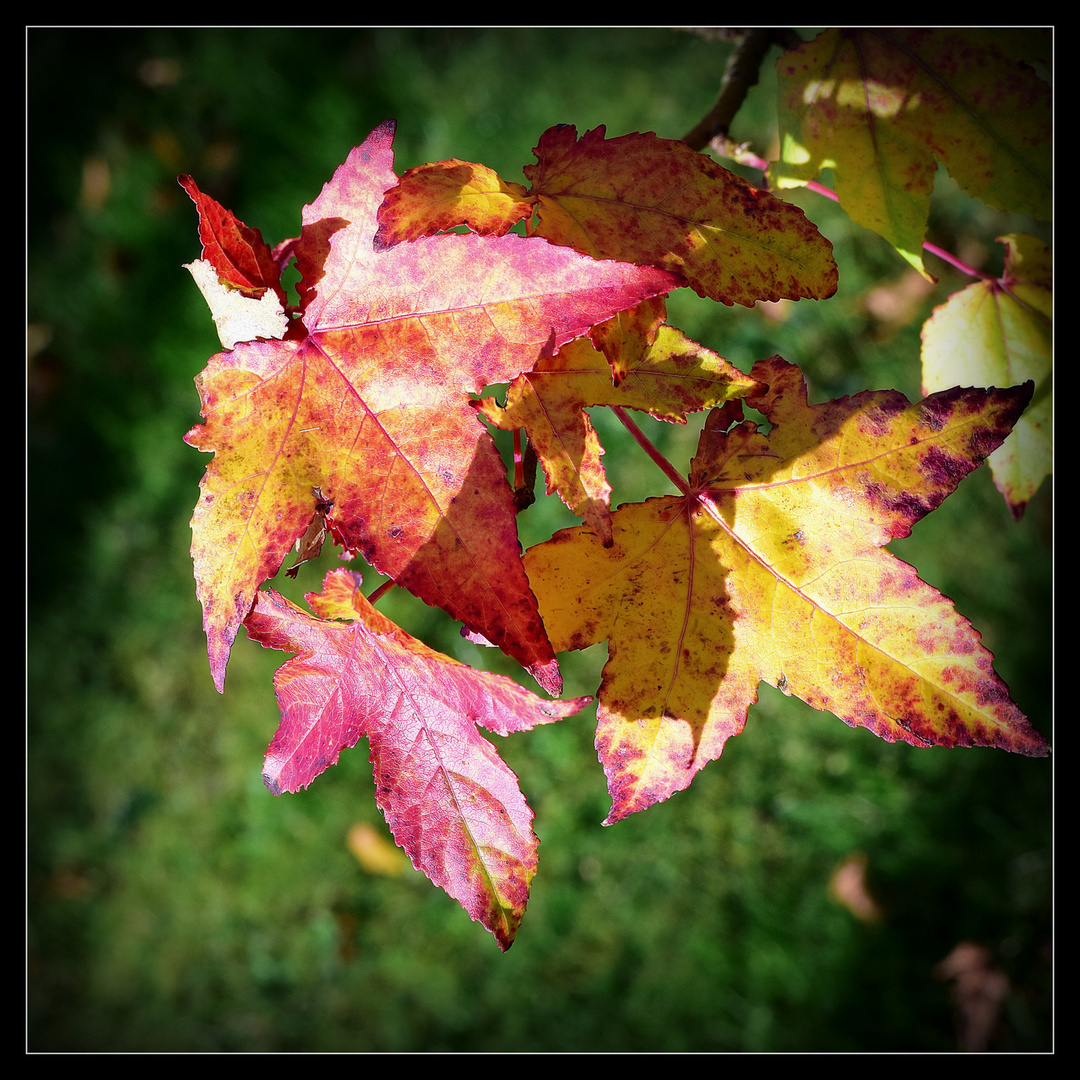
x=381 y=591
x=952 y=260
x=661 y=462
x=741 y=73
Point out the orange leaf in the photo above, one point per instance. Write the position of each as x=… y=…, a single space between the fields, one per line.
x=445 y=194
x=242 y=259
x=367 y=400
x=772 y=568
x=450 y=801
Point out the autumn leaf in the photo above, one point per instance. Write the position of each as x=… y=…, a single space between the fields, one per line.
x=626 y=338
x=237 y=315
x=240 y=257
x=1000 y=332
x=451 y=802
x=635 y=198
x=443 y=195
x=771 y=567
x=675 y=377
x=882 y=107
x=367 y=402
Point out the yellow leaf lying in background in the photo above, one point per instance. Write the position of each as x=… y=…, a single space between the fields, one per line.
x=374 y=852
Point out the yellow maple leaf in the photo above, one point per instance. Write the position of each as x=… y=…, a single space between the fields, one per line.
x=771 y=567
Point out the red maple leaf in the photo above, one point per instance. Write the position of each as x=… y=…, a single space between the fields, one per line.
x=367 y=402
x=242 y=259
x=450 y=801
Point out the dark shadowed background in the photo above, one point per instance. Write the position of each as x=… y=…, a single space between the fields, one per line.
x=802 y=895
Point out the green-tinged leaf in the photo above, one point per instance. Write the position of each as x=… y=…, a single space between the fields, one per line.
x=656 y=201
x=881 y=107
x=997 y=333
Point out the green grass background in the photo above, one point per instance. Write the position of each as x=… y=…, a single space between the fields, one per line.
x=173 y=905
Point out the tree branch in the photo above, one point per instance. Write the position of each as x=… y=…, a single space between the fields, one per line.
x=741 y=73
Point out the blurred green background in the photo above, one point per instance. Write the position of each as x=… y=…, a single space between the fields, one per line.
x=174 y=905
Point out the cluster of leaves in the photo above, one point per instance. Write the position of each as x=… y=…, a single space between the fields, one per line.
x=356 y=415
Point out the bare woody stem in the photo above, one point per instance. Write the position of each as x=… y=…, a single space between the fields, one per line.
x=741 y=73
